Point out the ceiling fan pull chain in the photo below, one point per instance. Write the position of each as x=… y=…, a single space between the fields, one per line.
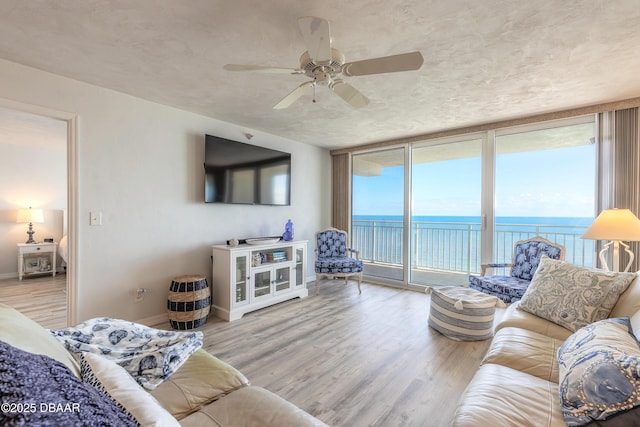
x=314 y=94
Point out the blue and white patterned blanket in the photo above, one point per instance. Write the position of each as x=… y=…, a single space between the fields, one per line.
x=149 y=355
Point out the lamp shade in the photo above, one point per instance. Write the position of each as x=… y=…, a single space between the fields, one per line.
x=614 y=224
x=30 y=215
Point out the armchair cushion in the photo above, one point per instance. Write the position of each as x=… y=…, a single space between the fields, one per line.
x=338 y=265
x=509 y=289
x=332 y=243
x=527 y=257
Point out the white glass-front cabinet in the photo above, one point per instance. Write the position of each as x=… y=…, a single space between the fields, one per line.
x=300 y=266
x=250 y=277
x=240 y=279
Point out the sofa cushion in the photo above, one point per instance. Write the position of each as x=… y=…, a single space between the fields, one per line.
x=22 y=332
x=116 y=383
x=200 y=380
x=513 y=316
x=500 y=396
x=526 y=351
x=573 y=296
x=251 y=407
x=599 y=372
x=40 y=391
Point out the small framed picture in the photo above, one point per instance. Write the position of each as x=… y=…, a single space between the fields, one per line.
x=31 y=264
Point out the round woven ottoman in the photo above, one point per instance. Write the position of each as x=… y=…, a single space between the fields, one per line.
x=189 y=302
x=461 y=313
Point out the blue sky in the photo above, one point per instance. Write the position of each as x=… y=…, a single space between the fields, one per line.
x=549 y=183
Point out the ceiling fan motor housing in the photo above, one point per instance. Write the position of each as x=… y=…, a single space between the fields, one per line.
x=322 y=71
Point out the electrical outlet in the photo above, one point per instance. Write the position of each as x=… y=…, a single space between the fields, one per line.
x=138 y=294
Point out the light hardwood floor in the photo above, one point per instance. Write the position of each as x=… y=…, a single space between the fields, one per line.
x=349 y=359
x=41 y=298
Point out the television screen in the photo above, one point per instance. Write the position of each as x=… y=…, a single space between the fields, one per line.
x=236 y=172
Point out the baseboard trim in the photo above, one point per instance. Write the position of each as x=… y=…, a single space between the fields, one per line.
x=154 y=320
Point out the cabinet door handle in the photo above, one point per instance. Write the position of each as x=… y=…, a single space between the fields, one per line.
x=37 y=249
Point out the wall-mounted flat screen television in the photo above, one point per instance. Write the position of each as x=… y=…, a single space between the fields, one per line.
x=236 y=172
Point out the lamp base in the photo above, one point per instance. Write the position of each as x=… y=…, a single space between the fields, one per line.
x=31 y=233
x=616 y=255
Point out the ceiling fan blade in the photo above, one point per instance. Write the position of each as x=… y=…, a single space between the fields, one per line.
x=350 y=94
x=294 y=95
x=385 y=64
x=317 y=38
x=261 y=69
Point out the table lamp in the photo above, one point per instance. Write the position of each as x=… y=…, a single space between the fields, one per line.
x=30 y=216
x=618 y=226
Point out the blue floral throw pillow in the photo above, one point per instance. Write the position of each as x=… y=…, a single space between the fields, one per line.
x=38 y=391
x=600 y=374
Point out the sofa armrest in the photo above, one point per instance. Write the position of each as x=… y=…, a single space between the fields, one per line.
x=202 y=379
x=19 y=331
x=629 y=302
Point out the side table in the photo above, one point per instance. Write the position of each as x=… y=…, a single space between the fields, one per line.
x=36 y=258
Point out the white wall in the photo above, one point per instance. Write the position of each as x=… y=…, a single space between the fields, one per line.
x=33 y=172
x=140 y=164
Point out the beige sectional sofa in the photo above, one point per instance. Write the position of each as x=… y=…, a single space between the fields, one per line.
x=203 y=392
x=517 y=383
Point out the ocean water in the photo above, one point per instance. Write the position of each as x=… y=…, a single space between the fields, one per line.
x=537 y=220
x=452 y=243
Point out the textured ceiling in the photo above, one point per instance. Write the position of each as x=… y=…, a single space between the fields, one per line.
x=485 y=60
x=35 y=131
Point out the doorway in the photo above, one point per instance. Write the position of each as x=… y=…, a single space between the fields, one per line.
x=39 y=169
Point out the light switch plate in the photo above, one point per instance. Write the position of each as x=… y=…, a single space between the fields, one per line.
x=95 y=218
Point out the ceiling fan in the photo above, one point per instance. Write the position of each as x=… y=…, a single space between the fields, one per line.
x=324 y=64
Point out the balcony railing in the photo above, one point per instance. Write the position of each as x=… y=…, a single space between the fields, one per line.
x=455 y=246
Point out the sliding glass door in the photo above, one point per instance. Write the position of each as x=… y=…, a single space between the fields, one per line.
x=446 y=210
x=378 y=206
x=431 y=212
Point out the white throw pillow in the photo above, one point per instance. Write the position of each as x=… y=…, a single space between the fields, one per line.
x=573 y=296
x=113 y=380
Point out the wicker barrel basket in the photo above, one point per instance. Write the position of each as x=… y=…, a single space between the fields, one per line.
x=189 y=302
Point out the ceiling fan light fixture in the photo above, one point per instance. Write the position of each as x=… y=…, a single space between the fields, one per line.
x=323 y=63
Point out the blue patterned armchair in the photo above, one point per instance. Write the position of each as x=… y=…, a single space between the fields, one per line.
x=526 y=257
x=332 y=260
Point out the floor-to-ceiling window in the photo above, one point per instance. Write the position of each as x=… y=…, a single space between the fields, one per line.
x=446 y=178
x=437 y=209
x=545 y=181
x=378 y=212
